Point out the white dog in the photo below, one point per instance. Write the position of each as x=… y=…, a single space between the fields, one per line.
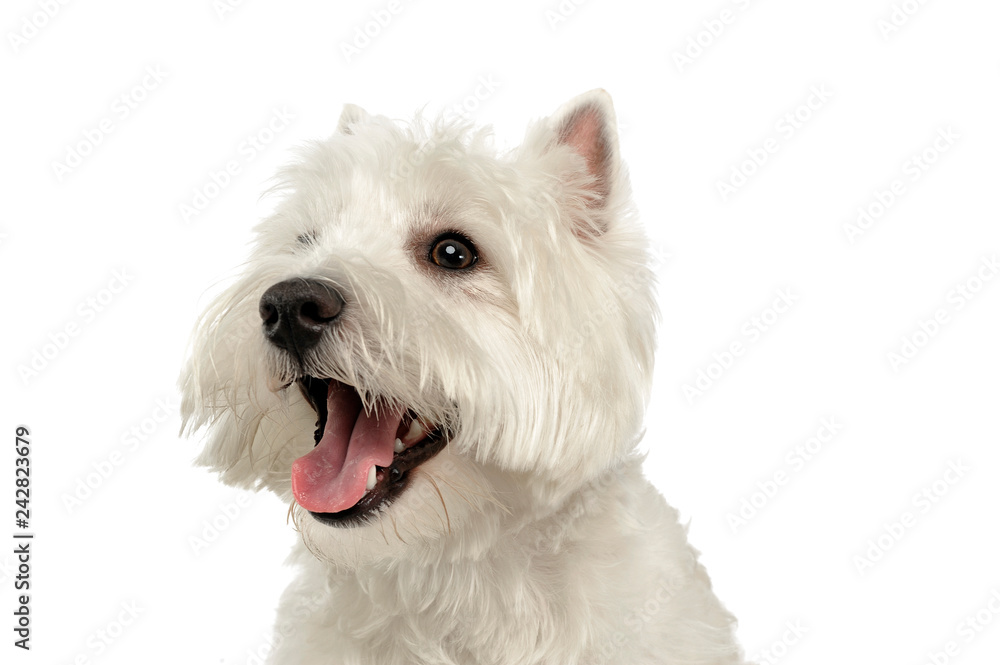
x=474 y=333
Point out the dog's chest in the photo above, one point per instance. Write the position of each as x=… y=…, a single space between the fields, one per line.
x=501 y=611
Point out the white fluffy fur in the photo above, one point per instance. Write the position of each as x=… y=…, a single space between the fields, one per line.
x=533 y=537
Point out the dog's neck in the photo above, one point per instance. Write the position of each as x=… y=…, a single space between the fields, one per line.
x=566 y=581
x=517 y=547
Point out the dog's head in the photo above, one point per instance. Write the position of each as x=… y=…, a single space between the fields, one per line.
x=432 y=341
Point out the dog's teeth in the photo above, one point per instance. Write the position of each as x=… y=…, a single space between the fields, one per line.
x=371 y=478
x=398 y=446
x=416 y=432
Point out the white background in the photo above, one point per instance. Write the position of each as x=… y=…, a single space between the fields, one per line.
x=886 y=95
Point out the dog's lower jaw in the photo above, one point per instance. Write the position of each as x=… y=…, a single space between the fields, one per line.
x=609 y=578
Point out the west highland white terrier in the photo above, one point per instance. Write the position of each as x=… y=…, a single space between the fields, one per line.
x=474 y=333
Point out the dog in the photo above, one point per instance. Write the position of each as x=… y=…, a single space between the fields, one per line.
x=440 y=354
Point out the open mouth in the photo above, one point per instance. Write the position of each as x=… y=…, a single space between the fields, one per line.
x=362 y=459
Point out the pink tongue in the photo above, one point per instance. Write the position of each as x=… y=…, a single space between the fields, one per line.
x=332 y=477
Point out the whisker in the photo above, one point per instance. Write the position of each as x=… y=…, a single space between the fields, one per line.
x=438 y=490
x=394 y=528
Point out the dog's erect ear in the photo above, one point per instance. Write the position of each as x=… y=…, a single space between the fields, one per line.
x=587 y=125
x=351 y=115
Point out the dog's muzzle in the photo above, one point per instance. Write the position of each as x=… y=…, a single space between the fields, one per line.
x=363 y=458
x=296 y=313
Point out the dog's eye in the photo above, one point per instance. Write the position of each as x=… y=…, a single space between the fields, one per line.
x=306 y=238
x=453 y=251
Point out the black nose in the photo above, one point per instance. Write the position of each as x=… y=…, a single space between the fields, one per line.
x=297 y=311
